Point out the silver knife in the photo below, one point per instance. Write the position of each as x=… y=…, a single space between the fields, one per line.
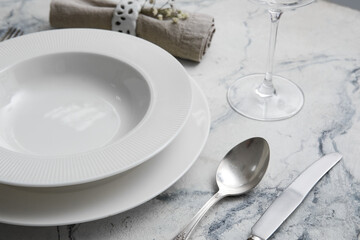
x=292 y=196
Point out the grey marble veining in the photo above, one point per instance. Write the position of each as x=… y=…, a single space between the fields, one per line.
x=319 y=49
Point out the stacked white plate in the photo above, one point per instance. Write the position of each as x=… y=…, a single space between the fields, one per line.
x=92 y=123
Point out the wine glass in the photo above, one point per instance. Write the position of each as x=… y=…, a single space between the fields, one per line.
x=268 y=97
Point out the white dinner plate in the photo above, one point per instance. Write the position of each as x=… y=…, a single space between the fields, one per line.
x=107 y=197
x=79 y=105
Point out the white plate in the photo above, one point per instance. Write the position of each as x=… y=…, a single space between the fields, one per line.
x=79 y=105
x=91 y=201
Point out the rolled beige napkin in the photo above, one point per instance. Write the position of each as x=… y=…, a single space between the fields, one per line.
x=187 y=39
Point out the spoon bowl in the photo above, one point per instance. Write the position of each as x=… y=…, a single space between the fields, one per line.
x=243 y=166
x=240 y=170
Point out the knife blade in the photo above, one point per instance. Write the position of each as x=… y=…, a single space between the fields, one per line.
x=291 y=197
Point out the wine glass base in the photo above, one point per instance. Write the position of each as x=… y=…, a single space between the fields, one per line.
x=285 y=103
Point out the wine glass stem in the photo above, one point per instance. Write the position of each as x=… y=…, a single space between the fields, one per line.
x=266 y=89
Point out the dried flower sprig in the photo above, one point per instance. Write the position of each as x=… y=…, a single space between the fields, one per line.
x=165 y=12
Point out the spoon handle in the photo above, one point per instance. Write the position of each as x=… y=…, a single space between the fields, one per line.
x=188 y=229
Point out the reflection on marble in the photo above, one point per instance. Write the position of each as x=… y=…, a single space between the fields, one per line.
x=318 y=48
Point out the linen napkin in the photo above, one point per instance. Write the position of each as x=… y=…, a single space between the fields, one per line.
x=187 y=38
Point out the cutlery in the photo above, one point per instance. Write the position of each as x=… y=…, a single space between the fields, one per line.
x=241 y=169
x=11 y=33
x=291 y=198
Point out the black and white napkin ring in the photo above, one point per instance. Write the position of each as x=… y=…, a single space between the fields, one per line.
x=125 y=16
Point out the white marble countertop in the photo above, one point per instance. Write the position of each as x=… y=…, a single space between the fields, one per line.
x=318 y=48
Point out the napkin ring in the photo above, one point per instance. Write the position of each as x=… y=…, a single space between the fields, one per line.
x=125 y=16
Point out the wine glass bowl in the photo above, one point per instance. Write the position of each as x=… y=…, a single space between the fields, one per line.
x=268 y=97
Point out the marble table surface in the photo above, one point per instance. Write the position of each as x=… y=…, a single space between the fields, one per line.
x=319 y=49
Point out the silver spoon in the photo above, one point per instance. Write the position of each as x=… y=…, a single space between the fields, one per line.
x=241 y=170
